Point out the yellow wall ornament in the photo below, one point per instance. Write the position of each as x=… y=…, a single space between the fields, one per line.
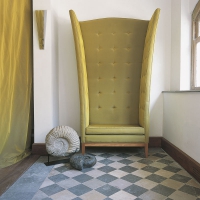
x=41 y=26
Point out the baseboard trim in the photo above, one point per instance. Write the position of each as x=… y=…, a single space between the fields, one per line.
x=40 y=148
x=188 y=163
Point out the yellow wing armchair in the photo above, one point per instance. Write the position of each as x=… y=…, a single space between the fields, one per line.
x=114 y=61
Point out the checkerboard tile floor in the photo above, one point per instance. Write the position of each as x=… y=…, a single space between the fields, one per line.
x=121 y=175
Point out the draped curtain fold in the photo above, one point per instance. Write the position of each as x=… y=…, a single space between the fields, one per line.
x=15 y=80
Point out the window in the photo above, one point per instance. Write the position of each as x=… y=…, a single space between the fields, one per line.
x=195 y=83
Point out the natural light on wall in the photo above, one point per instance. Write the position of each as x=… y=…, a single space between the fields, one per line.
x=196 y=48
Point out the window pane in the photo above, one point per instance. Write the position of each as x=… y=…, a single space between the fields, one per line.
x=198 y=65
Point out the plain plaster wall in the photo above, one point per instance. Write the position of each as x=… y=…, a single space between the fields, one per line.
x=181 y=109
x=181 y=121
x=55 y=75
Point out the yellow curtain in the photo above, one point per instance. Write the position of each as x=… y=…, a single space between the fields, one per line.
x=15 y=80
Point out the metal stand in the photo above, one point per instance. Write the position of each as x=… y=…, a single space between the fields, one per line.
x=66 y=160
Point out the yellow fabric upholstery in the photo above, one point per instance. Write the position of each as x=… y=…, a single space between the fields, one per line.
x=114 y=59
x=114 y=129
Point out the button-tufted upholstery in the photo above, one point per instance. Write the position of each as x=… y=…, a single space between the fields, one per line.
x=114 y=58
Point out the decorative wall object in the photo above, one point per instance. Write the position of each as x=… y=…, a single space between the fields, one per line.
x=41 y=26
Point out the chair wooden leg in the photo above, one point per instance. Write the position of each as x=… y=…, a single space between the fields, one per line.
x=146 y=150
x=83 y=148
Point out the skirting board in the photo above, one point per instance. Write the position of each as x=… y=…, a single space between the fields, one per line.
x=40 y=149
x=188 y=163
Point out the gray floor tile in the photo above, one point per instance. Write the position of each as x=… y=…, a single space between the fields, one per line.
x=52 y=189
x=128 y=169
x=135 y=190
x=156 y=178
x=126 y=161
x=82 y=178
x=57 y=178
x=106 y=155
x=165 y=191
x=107 y=190
x=150 y=169
x=107 y=178
x=165 y=161
x=106 y=169
x=77 y=198
x=145 y=161
x=190 y=190
x=62 y=169
x=106 y=161
x=172 y=169
x=131 y=178
x=160 y=155
x=180 y=178
x=124 y=155
x=79 y=189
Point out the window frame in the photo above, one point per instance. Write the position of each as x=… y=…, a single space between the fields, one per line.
x=195 y=41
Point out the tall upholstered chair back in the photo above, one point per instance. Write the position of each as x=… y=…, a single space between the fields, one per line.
x=114 y=58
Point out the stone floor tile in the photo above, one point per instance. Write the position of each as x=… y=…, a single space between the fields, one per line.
x=63 y=195
x=79 y=189
x=120 y=184
x=118 y=173
x=178 y=195
x=117 y=165
x=172 y=183
x=163 y=190
x=128 y=169
x=150 y=169
x=95 y=173
x=131 y=178
x=57 y=178
x=137 y=165
x=156 y=178
x=106 y=169
x=180 y=178
x=53 y=173
x=93 y=195
x=39 y=195
x=106 y=178
x=158 y=165
x=190 y=190
x=107 y=190
x=72 y=173
x=122 y=195
x=193 y=183
x=68 y=183
x=150 y=195
x=145 y=183
x=164 y=173
x=47 y=182
x=94 y=183
x=82 y=178
x=52 y=189
x=135 y=190
x=141 y=173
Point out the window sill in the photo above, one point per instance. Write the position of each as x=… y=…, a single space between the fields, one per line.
x=181 y=91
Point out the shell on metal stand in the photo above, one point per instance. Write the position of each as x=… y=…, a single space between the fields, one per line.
x=62 y=141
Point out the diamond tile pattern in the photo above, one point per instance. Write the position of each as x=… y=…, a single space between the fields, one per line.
x=121 y=173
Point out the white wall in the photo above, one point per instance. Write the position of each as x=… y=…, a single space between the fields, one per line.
x=45 y=77
x=181 y=11
x=55 y=74
x=181 y=121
